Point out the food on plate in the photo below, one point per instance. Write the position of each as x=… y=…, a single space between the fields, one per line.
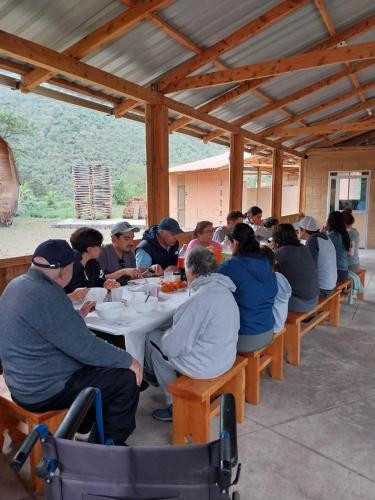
x=172 y=286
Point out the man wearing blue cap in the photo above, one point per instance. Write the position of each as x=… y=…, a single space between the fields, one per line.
x=159 y=245
x=48 y=353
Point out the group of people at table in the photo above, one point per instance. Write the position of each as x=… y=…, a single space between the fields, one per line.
x=49 y=355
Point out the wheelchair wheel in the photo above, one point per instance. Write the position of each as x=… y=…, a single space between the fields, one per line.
x=236 y=495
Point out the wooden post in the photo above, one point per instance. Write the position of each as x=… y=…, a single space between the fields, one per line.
x=277 y=183
x=302 y=186
x=259 y=183
x=157 y=153
x=236 y=164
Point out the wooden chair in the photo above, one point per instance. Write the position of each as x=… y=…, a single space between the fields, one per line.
x=296 y=328
x=196 y=402
x=272 y=354
x=20 y=422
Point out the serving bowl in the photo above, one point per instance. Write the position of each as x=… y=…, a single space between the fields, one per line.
x=141 y=306
x=109 y=310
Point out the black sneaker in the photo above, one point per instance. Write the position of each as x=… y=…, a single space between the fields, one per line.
x=164 y=415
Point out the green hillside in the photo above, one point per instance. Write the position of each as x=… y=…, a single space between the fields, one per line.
x=60 y=135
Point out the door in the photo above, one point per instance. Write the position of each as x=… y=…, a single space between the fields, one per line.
x=181 y=205
x=351 y=190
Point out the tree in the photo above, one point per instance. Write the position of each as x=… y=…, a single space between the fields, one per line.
x=13 y=126
x=120 y=192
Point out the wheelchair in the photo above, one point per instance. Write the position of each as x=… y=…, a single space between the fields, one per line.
x=75 y=470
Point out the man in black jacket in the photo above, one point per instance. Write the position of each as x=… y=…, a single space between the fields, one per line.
x=159 y=245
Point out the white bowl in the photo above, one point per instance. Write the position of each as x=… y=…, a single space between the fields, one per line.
x=97 y=294
x=141 y=306
x=109 y=310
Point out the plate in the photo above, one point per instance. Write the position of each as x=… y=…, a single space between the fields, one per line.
x=144 y=281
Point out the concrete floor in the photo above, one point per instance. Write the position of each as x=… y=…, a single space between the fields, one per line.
x=312 y=437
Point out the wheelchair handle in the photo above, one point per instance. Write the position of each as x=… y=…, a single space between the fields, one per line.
x=228 y=429
x=39 y=431
x=76 y=413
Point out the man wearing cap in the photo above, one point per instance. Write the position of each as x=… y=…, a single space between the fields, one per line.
x=159 y=245
x=48 y=353
x=323 y=253
x=117 y=260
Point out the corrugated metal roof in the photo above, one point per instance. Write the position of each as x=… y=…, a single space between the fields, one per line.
x=145 y=52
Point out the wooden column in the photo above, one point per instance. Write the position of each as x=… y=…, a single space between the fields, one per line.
x=157 y=153
x=277 y=183
x=236 y=164
x=302 y=186
x=259 y=183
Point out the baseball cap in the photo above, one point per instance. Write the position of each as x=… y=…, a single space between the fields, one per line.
x=123 y=227
x=309 y=223
x=57 y=252
x=170 y=225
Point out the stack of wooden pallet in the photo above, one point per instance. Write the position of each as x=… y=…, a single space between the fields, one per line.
x=92 y=186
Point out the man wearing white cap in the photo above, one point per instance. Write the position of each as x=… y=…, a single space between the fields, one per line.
x=117 y=259
x=323 y=253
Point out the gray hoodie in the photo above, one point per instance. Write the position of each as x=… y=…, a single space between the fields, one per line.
x=202 y=342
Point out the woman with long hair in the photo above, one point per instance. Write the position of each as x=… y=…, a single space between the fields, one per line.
x=256 y=288
x=353 y=257
x=336 y=230
x=297 y=265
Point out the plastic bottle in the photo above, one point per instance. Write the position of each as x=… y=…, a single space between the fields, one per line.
x=181 y=262
x=226 y=250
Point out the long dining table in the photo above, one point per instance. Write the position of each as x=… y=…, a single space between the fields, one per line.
x=134 y=326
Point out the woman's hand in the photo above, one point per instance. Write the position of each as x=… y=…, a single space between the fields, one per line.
x=86 y=308
x=78 y=294
x=109 y=284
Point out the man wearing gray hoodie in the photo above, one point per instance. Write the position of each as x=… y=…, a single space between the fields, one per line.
x=202 y=342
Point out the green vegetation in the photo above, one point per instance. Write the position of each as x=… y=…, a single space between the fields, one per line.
x=49 y=137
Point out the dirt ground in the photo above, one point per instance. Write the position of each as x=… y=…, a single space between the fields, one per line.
x=26 y=233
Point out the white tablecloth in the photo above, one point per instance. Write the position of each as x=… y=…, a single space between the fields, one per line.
x=135 y=326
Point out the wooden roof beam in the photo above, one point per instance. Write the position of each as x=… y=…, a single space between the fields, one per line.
x=229 y=42
x=329 y=128
x=33 y=53
x=277 y=129
x=278 y=66
x=295 y=96
x=332 y=31
x=173 y=33
x=101 y=36
x=243 y=88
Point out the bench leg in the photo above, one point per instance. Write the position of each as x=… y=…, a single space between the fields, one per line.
x=293 y=344
x=236 y=386
x=252 y=391
x=190 y=419
x=334 y=311
x=276 y=351
x=360 y=296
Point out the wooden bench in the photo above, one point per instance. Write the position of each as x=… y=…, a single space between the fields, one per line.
x=196 y=402
x=344 y=286
x=272 y=354
x=296 y=328
x=20 y=422
x=362 y=276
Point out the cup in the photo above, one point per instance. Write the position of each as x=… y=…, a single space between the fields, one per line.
x=117 y=294
x=168 y=275
x=96 y=294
